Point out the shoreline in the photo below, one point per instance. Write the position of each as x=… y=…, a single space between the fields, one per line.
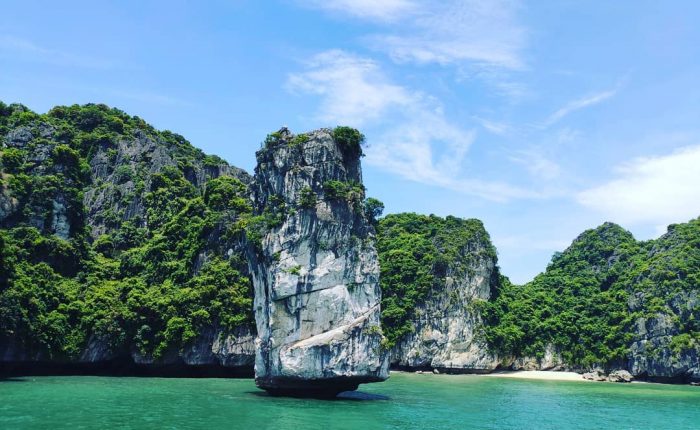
x=543 y=375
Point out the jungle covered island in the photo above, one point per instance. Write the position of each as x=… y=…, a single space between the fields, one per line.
x=119 y=242
x=125 y=246
x=608 y=302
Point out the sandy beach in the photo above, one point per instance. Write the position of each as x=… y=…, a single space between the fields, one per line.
x=538 y=374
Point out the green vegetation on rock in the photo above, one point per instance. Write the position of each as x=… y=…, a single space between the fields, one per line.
x=349 y=139
x=587 y=302
x=113 y=230
x=414 y=254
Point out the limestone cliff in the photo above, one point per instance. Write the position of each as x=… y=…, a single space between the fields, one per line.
x=314 y=267
x=123 y=244
x=436 y=272
x=608 y=303
x=665 y=302
x=117 y=244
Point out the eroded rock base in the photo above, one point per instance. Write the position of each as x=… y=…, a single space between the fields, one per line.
x=317 y=389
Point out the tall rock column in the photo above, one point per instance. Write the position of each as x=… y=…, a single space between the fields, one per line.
x=314 y=267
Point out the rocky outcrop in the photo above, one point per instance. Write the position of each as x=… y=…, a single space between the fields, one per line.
x=596 y=375
x=620 y=376
x=437 y=273
x=447 y=322
x=551 y=360
x=314 y=268
x=656 y=354
x=213 y=349
x=665 y=299
x=91 y=197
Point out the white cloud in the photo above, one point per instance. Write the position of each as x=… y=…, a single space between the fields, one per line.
x=416 y=141
x=380 y=10
x=581 y=103
x=18 y=48
x=655 y=190
x=482 y=32
x=495 y=127
x=452 y=32
x=353 y=89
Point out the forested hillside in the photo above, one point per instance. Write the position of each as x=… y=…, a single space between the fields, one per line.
x=119 y=240
x=609 y=301
x=114 y=231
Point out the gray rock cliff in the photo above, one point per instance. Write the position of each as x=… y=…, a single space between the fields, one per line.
x=447 y=322
x=314 y=268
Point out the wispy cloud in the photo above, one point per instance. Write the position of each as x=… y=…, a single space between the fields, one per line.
x=536 y=163
x=454 y=32
x=19 y=48
x=457 y=32
x=416 y=140
x=496 y=127
x=653 y=190
x=578 y=104
x=382 y=10
x=353 y=89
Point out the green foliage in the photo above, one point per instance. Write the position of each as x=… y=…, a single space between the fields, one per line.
x=299 y=139
x=123 y=174
x=272 y=139
x=139 y=284
x=225 y=193
x=273 y=216
x=12 y=159
x=414 y=254
x=349 y=140
x=373 y=209
x=580 y=303
x=213 y=161
x=307 y=198
x=338 y=190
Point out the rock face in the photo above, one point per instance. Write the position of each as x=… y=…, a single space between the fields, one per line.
x=653 y=356
x=620 y=376
x=665 y=298
x=551 y=360
x=118 y=167
x=86 y=179
x=314 y=268
x=436 y=272
x=447 y=322
x=211 y=348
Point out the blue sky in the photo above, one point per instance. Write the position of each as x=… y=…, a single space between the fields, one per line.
x=541 y=118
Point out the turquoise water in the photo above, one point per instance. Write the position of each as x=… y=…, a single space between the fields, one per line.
x=412 y=402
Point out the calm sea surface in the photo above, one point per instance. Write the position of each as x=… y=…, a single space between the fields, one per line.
x=405 y=401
